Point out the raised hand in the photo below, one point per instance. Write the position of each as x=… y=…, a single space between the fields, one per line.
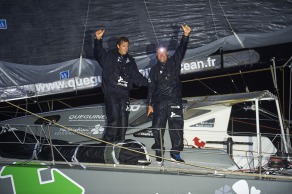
x=99 y=34
x=187 y=30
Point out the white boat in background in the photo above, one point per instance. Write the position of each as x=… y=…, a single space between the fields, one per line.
x=228 y=162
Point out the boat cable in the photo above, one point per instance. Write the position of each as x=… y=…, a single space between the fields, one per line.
x=289 y=109
x=274 y=77
x=236 y=36
x=282 y=109
x=290 y=85
x=228 y=74
x=290 y=97
x=233 y=83
x=151 y=22
x=215 y=92
x=214 y=22
x=84 y=32
x=245 y=86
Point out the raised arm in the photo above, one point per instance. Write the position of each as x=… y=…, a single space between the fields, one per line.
x=99 y=52
x=182 y=47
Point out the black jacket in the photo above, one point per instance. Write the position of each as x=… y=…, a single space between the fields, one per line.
x=164 y=81
x=119 y=72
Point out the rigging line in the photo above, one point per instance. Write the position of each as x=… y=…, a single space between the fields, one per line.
x=151 y=22
x=283 y=92
x=274 y=76
x=268 y=114
x=208 y=87
x=245 y=85
x=225 y=16
x=244 y=82
x=224 y=75
x=262 y=126
x=233 y=83
x=290 y=95
x=214 y=23
x=287 y=62
x=85 y=28
x=236 y=36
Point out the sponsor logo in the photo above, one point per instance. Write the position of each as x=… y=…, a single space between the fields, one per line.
x=32 y=179
x=122 y=82
x=3 y=24
x=96 y=130
x=207 y=124
x=144 y=133
x=120 y=59
x=87 y=117
x=175 y=106
x=64 y=74
x=72 y=83
x=198 y=142
x=66 y=132
x=240 y=187
x=209 y=63
x=134 y=108
x=172 y=115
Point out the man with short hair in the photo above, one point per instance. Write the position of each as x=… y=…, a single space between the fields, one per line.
x=119 y=74
x=165 y=99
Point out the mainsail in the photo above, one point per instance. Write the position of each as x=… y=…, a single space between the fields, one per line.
x=47 y=47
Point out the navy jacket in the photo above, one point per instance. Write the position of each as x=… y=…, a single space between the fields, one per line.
x=164 y=81
x=119 y=72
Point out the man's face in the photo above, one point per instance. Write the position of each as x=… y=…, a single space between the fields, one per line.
x=123 y=48
x=161 y=54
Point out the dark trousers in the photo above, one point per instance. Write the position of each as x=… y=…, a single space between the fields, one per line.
x=172 y=112
x=117 y=113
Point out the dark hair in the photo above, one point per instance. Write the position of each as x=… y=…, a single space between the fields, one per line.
x=122 y=39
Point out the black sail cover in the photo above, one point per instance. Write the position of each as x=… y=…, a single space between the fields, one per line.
x=47 y=46
x=22 y=145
